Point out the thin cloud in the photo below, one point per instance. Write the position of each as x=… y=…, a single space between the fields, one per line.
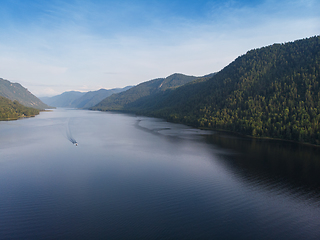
x=119 y=44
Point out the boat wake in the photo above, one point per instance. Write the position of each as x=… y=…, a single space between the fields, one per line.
x=69 y=134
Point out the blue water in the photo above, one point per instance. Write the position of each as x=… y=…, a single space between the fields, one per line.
x=133 y=177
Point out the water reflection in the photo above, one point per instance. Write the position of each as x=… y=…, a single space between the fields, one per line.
x=144 y=178
x=276 y=165
x=285 y=167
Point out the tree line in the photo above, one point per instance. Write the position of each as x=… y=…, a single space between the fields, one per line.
x=11 y=110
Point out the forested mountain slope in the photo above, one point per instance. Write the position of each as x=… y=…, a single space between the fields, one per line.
x=151 y=102
x=152 y=88
x=14 y=91
x=10 y=110
x=273 y=92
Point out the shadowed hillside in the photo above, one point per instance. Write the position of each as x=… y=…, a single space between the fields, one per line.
x=149 y=89
x=92 y=98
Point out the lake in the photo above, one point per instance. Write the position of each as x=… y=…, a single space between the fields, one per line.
x=133 y=177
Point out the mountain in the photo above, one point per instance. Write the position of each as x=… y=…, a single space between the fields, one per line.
x=11 y=110
x=76 y=99
x=150 y=88
x=271 y=92
x=14 y=91
x=63 y=100
x=92 y=98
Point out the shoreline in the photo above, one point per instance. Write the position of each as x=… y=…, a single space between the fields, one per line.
x=219 y=130
x=258 y=138
x=17 y=118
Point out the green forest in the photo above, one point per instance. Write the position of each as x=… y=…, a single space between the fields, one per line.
x=271 y=92
x=12 y=110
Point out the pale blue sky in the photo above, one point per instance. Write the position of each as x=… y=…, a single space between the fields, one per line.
x=58 y=45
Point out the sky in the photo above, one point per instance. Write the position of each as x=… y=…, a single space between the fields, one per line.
x=57 y=45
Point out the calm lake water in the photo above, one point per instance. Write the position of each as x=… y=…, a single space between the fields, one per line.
x=135 y=177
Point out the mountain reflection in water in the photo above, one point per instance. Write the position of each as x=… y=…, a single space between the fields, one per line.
x=273 y=164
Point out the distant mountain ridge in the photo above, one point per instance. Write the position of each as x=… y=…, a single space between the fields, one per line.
x=14 y=91
x=76 y=99
x=146 y=89
x=65 y=99
x=92 y=98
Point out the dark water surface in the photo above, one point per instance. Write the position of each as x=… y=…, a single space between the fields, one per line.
x=142 y=178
